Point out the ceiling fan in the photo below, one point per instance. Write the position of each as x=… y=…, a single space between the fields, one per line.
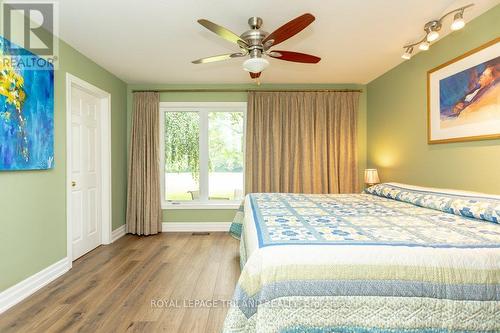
x=256 y=43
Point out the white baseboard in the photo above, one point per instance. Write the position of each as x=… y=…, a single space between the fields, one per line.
x=195 y=226
x=27 y=287
x=118 y=233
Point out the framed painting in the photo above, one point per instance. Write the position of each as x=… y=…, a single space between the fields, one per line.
x=463 y=97
x=26 y=110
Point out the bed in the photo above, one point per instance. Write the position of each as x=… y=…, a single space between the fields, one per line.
x=396 y=258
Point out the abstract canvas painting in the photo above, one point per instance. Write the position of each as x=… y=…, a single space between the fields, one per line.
x=464 y=97
x=26 y=111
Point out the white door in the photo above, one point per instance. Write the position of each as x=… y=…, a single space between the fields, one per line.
x=85 y=170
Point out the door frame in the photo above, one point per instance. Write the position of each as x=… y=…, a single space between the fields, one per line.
x=105 y=118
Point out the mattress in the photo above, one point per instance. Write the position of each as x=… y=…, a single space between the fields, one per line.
x=394 y=259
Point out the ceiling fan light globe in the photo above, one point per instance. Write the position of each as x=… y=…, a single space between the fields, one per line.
x=255 y=65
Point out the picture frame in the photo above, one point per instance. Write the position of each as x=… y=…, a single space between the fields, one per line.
x=26 y=110
x=463 y=97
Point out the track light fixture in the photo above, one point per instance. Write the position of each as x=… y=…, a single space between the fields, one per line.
x=432 y=29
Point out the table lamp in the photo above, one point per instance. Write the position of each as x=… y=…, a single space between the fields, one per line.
x=371 y=177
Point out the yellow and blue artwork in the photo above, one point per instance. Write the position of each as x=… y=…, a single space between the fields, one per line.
x=463 y=97
x=470 y=95
x=26 y=111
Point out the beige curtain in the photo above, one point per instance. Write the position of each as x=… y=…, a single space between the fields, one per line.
x=143 y=198
x=302 y=142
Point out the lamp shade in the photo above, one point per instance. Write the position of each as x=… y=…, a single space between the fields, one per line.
x=371 y=177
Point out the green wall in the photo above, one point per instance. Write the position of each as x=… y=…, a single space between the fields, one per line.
x=33 y=209
x=226 y=215
x=397 y=121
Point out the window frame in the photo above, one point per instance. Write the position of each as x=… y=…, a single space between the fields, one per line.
x=203 y=109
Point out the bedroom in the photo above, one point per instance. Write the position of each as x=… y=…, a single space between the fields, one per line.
x=130 y=173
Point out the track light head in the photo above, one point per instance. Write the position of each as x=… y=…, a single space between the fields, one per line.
x=458 y=21
x=432 y=36
x=432 y=29
x=407 y=54
x=424 y=46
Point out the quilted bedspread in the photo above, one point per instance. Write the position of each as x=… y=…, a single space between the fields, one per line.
x=390 y=260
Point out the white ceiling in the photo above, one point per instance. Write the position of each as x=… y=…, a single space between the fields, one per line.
x=154 y=41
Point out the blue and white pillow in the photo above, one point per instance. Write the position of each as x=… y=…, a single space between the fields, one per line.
x=473 y=205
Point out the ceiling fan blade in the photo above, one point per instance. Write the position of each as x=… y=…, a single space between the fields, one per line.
x=218 y=58
x=290 y=29
x=222 y=32
x=255 y=75
x=294 y=56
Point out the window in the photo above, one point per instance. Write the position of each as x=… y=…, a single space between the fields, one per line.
x=202 y=150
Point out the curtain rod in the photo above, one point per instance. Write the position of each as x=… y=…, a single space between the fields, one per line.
x=247 y=90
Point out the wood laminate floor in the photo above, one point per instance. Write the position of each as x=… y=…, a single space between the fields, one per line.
x=115 y=288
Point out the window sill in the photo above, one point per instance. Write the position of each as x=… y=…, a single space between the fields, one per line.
x=200 y=205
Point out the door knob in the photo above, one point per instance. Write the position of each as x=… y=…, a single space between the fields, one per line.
x=73 y=184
